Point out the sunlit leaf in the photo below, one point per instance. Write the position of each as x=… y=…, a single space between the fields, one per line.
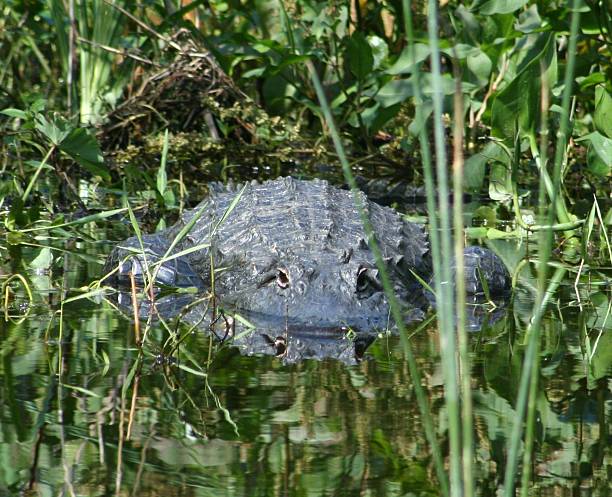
x=380 y=50
x=19 y=114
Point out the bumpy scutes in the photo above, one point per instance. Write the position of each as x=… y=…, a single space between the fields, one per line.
x=296 y=251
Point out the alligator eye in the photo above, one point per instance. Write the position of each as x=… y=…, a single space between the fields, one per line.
x=367 y=281
x=282 y=278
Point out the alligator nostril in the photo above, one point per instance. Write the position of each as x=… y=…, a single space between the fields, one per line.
x=282 y=278
x=362 y=279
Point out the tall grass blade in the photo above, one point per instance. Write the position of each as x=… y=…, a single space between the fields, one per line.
x=443 y=279
x=388 y=289
x=465 y=378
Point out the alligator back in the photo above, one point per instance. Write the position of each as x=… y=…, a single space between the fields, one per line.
x=289 y=219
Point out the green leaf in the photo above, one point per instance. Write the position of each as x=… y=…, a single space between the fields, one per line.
x=376 y=117
x=471 y=25
x=474 y=172
x=38 y=106
x=500 y=182
x=602 y=119
x=460 y=51
x=480 y=65
x=490 y=7
x=83 y=147
x=288 y=61
x=55 y=130
x=601 y=359
x=395 y=92
x=398 y=90
x=359 y=56
x=380 y=50
x=599 y=153
x=19 y=114
x=406 y=63
x=421 y=120
x=487 y=214
x=529 y=20
x=520 y=100
x=591 y=80
x=162 y=176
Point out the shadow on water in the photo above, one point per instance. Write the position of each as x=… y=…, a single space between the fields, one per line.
x=85 y=410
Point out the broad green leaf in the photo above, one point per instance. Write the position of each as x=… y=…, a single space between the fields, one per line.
x=83 y=147
x=475 y=166
x=289 y=61
x=417 y=124
x=591 y=80
x=460 y=51
x=406 y=63
x=529 y=20
x=602 y=119
x=471 y=25
x=380 y=50
x=520 y=100
x=169 y=198
x=601 y=359
x=20 y=114
x=474 y=172
x=55 y=130
x=38 y=106
x=487 y=214
x=480 y=65
x=17 y=216
x=500 y=182
x=376 y=117
x=599 y=153
x=395 y=92
x=398 y=90
x=359 y=56
x=490 y=7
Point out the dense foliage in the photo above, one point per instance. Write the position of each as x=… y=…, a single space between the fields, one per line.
x=104 y=101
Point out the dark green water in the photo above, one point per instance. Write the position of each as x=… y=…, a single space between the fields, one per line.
x=210 y=421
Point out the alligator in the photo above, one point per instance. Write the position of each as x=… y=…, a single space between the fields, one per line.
x=293 y=253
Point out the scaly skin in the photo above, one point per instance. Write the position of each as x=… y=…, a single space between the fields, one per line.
x=296 y=251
